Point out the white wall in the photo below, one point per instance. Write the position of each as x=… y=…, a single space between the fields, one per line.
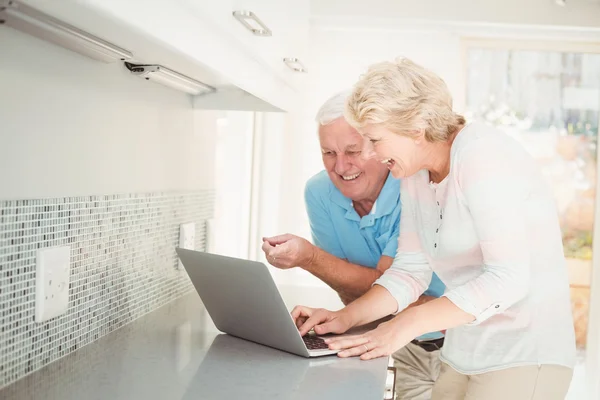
x=73 y=126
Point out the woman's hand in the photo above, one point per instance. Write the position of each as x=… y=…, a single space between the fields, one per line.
x=380 y=342
x=323 y=321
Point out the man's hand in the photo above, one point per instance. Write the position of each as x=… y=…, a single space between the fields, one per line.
x=288 y=251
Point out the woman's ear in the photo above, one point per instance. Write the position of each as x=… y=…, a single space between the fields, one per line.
x=419 y=137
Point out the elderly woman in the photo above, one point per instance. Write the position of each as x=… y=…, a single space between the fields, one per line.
x=477 y=212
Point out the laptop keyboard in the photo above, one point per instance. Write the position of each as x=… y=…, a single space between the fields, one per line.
x=314 y=343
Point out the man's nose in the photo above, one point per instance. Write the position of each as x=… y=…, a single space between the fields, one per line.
x=341 y=164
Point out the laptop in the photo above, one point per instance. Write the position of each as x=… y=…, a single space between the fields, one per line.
x=242 y=300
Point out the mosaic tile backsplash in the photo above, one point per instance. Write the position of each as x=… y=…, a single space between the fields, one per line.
x=123 y=265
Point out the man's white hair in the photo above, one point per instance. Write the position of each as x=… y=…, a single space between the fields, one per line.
x=333 y=108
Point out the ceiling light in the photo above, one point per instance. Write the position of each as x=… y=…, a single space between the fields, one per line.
x=31 y=21
x=168 y=77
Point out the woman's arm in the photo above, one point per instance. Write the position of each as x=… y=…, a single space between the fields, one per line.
x=390 y=336
x=399 y=286
x=433 y=316
x=495 y=177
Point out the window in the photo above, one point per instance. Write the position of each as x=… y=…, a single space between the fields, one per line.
x=233 y=183
x=547 y=96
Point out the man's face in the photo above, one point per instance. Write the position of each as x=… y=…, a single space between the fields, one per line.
x=341 y=147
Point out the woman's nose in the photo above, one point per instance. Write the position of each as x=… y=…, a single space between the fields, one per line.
x=367 y=150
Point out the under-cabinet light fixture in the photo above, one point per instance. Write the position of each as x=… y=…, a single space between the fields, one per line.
x=168 y=77
x=27 y=19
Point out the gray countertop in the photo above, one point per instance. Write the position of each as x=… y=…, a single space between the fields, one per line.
x=176 y=352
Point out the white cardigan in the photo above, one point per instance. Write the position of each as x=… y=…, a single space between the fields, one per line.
x=490 y=231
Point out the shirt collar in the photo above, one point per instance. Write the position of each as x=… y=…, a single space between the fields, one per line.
x=384 y=205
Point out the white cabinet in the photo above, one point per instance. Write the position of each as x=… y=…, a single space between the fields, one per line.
x=203 y=39
x=215 y=13
x=286 y=21
x=295 y=33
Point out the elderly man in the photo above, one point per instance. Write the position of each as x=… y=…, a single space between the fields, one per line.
x=354 y=212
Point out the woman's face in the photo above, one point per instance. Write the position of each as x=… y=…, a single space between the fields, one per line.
x=400 y=153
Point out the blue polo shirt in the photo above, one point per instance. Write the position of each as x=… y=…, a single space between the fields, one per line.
x=337 y=228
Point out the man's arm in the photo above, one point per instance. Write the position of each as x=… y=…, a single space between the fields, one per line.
x=347 y=299
x=349 y=280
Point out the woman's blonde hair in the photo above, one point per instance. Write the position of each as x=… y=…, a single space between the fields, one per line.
x=405 y=98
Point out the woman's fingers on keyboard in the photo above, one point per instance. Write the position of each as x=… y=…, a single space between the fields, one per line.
x=300 y=321
x=318 y=317
x=301 y=311
x=300 y=314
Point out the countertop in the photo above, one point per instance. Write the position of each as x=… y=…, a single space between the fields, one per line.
x=176 y=352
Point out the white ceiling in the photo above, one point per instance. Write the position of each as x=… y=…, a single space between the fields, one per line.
x=576 y=13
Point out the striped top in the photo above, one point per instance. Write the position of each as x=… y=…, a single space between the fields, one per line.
x=490 y=231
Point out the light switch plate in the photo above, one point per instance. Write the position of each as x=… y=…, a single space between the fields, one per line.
x=187 y=237
x=52 y=282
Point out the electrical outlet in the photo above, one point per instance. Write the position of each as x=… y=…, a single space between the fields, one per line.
x=52 y=282
x=187 y=237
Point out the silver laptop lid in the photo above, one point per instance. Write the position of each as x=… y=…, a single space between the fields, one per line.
x=242 y=299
